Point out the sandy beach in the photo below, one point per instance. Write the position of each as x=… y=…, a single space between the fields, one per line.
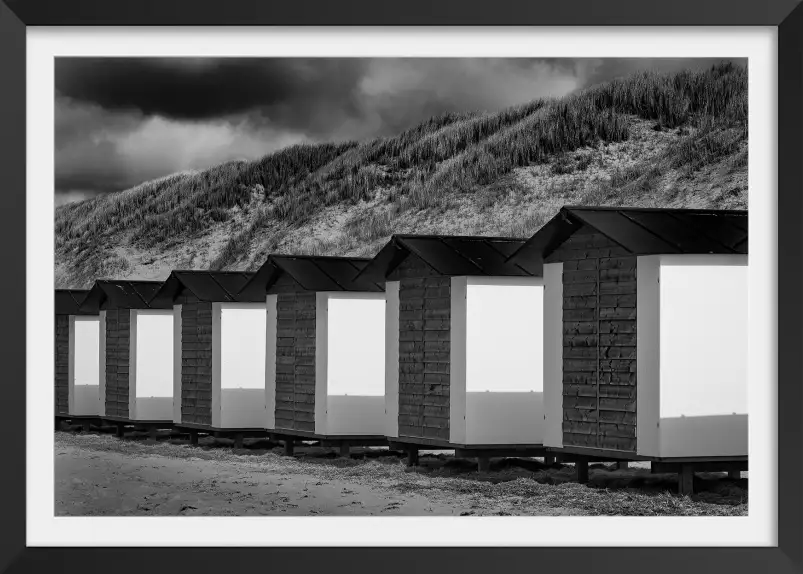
x=98 y=474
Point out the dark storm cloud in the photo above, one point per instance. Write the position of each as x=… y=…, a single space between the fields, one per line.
x=121 y=121
x=297 y=93
x=86 y=155
x=201 y=88
x=337 y=98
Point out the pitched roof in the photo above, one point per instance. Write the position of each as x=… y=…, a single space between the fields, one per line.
x=642 y=231
x=68 y=301
x=312 y=272
x=448 y=255
x=217 y=286
x=119 y=294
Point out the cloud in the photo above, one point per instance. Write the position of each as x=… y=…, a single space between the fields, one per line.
x=73 y=196
x=86 y=157
x=165 y=146
x=99 y=151
x=397 y=94
x=198 y=89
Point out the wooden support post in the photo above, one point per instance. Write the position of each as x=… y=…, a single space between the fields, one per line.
x=288 y=447
x=85 y=426
x=581 y=464
x=119 y=430
x=734 y=474
x=686 y=479
x=238 y=440
x=194 y=437
x=412 y=456
x=549 y=459
x=58 y=423
x=345 y=450
x=621 y=465
x=152 y=433
x=483 y=463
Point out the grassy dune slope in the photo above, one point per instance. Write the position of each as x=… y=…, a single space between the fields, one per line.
x=647 y=140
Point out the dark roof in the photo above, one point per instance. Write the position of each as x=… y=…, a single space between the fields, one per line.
x=68 y=301
x=217 y=286
x=449 y=255
x=312 y=272
x=642 y=231
x=119 y=294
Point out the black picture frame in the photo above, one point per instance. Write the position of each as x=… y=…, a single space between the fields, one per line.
x=786 y=15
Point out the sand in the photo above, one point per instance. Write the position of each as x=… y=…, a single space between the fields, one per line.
x=100 y=475
x=90 y=483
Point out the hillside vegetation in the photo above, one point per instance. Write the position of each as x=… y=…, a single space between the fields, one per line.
x=651 y=139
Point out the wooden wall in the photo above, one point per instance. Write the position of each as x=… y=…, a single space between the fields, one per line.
x=196 y=359
x=118 y=345
x=424 y=347
x=295 y=355
x=599 y=342
x=62 y=364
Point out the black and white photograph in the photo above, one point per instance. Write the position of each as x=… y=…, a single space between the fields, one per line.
x=375 y=286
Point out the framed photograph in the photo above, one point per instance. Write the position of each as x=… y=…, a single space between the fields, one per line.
x=411 y=283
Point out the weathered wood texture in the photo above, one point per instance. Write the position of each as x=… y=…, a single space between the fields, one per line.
x=118 y=345
x=599 y=342
x=196 y=359
x=62 y=364
x=424 y=349
x=295 y=355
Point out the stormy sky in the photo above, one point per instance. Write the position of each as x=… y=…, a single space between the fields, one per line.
x=122 y=121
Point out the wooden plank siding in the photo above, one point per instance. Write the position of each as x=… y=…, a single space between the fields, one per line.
x=424 y=349
x=196 y=359
x=62 y=383
x=118 y=345
x=295 y=355
x=599 y=342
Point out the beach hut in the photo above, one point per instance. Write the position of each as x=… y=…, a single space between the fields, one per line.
x=136 y=366
x=325 y=360
x=219 y=354
x=463 y=346
x=77 y=374
x=645 y=335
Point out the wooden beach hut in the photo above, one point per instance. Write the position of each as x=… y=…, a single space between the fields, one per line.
x=219 y=354
x=645 y=336
x=77 y=368
x=136 y=371
x=325 y=360
x=463 y=342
